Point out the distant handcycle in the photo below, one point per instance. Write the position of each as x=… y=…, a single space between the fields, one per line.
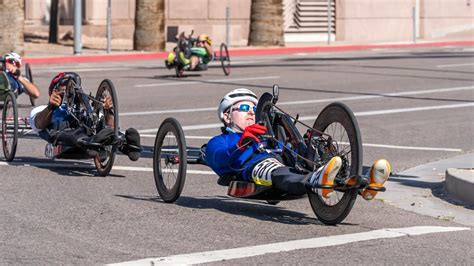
x=334 y=133
x=185 y=44
x=86 y=110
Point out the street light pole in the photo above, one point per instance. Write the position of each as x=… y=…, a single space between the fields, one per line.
x=77 y=26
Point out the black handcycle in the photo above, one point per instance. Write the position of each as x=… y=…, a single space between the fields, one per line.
x=185 y=43
x=86 y=111
x=334 y=133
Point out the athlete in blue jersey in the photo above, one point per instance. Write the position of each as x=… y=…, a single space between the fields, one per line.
x=54 y=124
x=240 y=152
x=18 y=83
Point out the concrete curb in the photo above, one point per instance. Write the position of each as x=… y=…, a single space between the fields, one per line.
x=239 y=52
x=460 y=184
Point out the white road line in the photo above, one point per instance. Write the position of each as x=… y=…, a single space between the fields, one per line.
x=204 y=81
x=318 y=242
x=85 y=165
x=353 y=98
x=456 y=65
x=411 y=147
x=367 y=113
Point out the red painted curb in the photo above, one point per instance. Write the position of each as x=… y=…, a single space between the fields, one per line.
x=239 y=52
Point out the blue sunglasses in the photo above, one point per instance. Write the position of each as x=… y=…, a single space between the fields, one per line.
x=245 y=108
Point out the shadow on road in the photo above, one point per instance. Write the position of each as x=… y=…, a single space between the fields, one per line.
x=61 y=167
x=249 y=208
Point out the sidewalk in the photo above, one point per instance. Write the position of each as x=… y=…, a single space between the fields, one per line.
x=428 y=189
x=45 y=53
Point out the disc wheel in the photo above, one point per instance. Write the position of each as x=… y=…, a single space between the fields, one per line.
x=9 y=126
x=338 y=121
x=225 y=59
x=170 y=160
x=29 y=76
x=104 y=164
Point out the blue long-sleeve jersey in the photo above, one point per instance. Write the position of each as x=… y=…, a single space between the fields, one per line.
x=224 y=158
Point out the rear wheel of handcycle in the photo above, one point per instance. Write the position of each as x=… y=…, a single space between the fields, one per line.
x=29 y=76
x=107 y=88
x=225 y=59
x=9 y=126
x=338 y=121
x=170 y=160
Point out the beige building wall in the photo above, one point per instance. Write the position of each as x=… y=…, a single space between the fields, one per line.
x=374 y=20
x=446 y=18
x=209 y=16
x=357 y=21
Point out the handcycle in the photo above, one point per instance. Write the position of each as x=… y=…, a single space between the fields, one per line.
x=86 y=110
x=335 y=132
x=185 y=43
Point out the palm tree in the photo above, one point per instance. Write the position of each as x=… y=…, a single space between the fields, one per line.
x=266 y=23
x=12 y=16
x=149 y=25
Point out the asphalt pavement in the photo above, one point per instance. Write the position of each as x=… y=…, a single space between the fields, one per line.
x=410 y=103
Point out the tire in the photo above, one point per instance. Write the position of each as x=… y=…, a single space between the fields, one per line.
x=29 y=76
x=273 y=202
x=9 y=126
x=225 y=59
x=107 y=88
x=338 y=120
x=179 y=71
x=169 y=153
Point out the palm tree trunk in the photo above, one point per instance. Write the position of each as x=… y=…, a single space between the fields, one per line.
x=149 y=25
x=266 y=23
x=12 y=17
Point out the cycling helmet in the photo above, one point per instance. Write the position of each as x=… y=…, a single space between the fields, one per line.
x=56 y=81
x=62 y=78
x=233 y=97
x=205 y=38
x=13 y=57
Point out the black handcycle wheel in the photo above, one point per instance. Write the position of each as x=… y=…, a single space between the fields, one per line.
x=29 y=76
x=338 y=121
x=103 y=164
x=170 y=160
x=225 y=59
x=179 y=71
x=9 y=126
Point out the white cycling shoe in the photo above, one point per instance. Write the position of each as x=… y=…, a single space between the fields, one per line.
x=325 y=176
x=379 y=173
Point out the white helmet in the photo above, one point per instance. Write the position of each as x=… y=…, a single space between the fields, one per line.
x=13 y=57
x=233 y=97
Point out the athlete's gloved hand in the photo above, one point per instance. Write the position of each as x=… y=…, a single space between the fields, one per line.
x=250 y=135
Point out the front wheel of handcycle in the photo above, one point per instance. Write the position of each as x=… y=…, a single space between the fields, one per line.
x=225 y=59
x=170 y=160
x=9 y=126
x=338 y=121
x=29 y=76
x=109 y=118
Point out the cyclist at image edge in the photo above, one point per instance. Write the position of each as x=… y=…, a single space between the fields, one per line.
x=201 y=53
x=50 y=118
x=230 y=153
x=19 y=84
